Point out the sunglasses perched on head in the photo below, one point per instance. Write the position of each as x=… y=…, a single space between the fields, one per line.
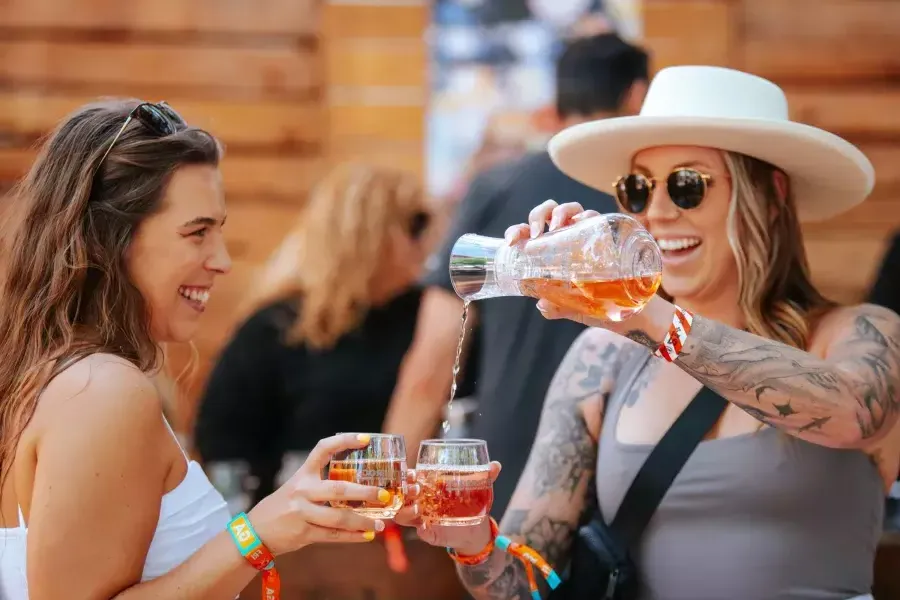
x=686 y=187
x=160 y=118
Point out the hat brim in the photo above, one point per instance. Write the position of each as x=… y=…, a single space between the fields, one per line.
x=828 y=174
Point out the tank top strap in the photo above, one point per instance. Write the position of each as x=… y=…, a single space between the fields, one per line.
x=21 y=517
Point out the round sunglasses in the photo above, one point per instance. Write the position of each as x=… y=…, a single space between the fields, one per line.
x=686 y=187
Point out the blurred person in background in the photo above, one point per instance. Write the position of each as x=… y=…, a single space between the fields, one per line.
x=119 y=245
x=597 y=77
x=331 y=320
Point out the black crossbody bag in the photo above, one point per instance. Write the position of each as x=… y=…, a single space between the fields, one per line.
x=601 y=567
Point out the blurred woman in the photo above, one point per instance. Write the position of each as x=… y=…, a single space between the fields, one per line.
x=331 y=320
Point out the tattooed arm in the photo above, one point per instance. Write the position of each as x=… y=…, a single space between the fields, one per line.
x=846 y=399
x=551 y=495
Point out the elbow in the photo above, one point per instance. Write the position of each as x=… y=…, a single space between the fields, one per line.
x=862 y=428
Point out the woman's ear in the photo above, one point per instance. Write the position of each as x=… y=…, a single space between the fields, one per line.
x=781 y=184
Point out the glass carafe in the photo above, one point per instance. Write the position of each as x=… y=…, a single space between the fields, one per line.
x=606 y=267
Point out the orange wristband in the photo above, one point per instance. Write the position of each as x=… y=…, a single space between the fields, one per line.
x=477 y=559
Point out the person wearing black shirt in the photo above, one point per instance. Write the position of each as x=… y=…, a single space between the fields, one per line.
x=334 y=315
x=597 y=77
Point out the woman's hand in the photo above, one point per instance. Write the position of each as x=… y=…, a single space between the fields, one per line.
x=467 y=540
x=554 y=216
x=297 y=513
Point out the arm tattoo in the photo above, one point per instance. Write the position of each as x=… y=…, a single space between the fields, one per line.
x=567 y=451
x=553 y=491
x=641 y=337
x=848 y=399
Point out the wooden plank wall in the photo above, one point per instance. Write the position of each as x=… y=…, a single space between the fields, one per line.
x=290 y=86
x=839 y=63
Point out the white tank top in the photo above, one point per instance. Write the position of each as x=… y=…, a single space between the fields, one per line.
x=189 y=516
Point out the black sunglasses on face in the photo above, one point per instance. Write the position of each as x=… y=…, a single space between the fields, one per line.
x=160 y=118
x=686 y=188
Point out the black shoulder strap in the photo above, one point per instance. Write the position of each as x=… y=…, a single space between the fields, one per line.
x=663 y=465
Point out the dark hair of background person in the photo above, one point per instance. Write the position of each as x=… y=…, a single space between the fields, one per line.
x=594 y=73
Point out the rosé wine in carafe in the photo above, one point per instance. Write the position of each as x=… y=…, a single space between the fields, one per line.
x=605 y=267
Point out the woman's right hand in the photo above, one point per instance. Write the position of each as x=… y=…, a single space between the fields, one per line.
x=297 y=514
x=468 y=540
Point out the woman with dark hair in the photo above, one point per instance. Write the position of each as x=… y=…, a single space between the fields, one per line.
x=119 y=244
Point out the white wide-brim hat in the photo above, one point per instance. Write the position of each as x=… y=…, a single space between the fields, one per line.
x=729 y=110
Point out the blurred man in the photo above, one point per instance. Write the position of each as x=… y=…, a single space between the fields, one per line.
x=597 y=77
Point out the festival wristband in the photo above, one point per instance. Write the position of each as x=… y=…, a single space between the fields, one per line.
x=256 y=553
x=676 y=337
x=530 y=557
x=477 y=559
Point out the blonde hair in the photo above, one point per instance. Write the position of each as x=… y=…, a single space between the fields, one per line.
x=776 y=294
x=336 y=250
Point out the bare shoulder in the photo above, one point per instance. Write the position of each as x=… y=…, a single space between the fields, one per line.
x=103 y=393
x=857 y=323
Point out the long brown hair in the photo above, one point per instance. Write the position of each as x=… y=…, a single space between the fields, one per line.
x=66 y=291
x=337 y=248
x=776 y=294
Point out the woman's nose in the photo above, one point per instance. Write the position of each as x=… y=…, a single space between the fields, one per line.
x=220 y=261
x=661 y=207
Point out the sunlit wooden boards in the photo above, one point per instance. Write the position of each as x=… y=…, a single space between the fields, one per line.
x=376 y=66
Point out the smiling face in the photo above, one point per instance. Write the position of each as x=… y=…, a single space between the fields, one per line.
x=698 y=262
x=178 y=252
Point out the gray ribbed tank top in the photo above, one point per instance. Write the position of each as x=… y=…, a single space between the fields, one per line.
x=752 y=517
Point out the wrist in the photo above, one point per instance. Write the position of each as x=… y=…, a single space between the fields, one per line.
x=480 y=543
x=648 y=327
x=260 y=524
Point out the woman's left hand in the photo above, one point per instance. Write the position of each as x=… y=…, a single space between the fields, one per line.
x=553 y=216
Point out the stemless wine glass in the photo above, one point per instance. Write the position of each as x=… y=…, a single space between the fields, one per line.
x=454 y=480
x=382 y=463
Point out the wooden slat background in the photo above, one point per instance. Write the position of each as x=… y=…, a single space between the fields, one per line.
x=839 y=63
x=290 y=86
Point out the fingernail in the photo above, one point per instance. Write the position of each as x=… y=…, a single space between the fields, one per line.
x=541 y=306
x=364 y=438
x=416 y=509
x=379 y=525
x=369 y=536
x=535 y=230
x=554 y=223
x=384 y=496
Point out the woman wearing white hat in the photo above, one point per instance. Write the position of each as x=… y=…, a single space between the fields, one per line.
x=784 y=497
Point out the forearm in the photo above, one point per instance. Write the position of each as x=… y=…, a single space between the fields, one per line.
x=500 y=577
x=844 y=401
x=217 y=570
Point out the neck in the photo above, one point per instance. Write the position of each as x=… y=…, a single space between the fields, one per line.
x=383 y=291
